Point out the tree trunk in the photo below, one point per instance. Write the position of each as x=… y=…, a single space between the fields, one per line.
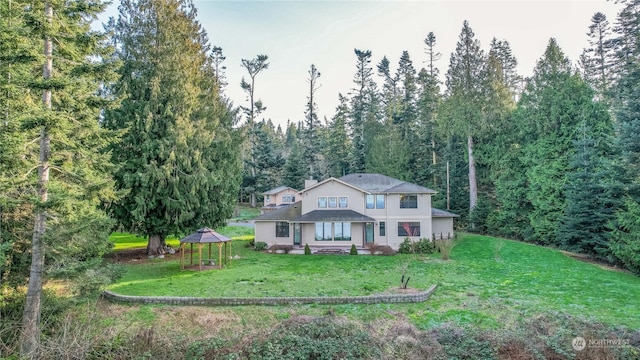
x=30 y=336
x=156 y=245
x=473 y=186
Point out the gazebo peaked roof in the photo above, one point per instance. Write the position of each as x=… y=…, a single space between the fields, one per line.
x=205 y=235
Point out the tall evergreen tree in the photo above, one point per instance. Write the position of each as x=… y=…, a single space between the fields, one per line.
x=499 y=94
x=464 y=98
x=294 y=167
x=178 y=159
x=625 y=243
x=406 y=118
x=253 y=67
x=597 y=60
x=555 y=102
x=311 y=138
x=64 y=196
x=589 y=209
x=337 y=142
x=362 y=104
x=269 y=157
x=424 y=155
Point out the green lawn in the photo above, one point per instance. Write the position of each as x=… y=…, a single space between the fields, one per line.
x=487 y=282
x=124 y=241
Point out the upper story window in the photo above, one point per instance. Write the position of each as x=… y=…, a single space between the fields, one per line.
x=322 y=202
x=343 y=202
x=288 y=198
x=333 y=202
x=375 y=201
x=409 y=201
x=379 y=201
x=370 y=201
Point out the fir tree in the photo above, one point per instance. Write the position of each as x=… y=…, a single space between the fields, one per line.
x=361 y=109
x=597 y=60
x=583 y=226
x=63 y=197
x=337 y=142
x=178 y=159
x=464 y=98
x=253 y=67
x=311 y=138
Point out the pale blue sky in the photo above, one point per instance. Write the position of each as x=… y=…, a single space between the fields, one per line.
x=296 y=34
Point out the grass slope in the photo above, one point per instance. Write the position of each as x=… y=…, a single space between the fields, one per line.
x=488 y=282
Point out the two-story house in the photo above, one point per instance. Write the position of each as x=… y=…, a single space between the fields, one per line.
x=278 y=197
x=355 y=209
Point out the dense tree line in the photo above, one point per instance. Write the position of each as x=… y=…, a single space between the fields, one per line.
x=130 y=129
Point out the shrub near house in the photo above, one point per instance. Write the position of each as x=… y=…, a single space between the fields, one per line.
x=356 y=209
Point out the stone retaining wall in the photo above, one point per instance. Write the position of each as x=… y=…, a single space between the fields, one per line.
x=272 y=301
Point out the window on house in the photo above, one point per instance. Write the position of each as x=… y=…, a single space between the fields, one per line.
x=370 y=202
x=282 y=229
x=407 y=228
x=323 y=231
x=342 y=231
x=383 y=228
x=288 y=198
x=333 y=202
x=322 y=202
x=267 y=199
x=343 y=202
x=379 y=201
x=409 y=201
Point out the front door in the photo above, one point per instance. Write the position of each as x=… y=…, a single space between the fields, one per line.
x=297 y=234
x=368 y=233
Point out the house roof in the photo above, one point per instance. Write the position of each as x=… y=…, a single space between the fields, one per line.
x=285 y=213
x=277 y=190
x=333 y=179
x=442 y=213
x=377 y=183
x=333 y=215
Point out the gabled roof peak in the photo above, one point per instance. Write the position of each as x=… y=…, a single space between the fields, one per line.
x=378 y=183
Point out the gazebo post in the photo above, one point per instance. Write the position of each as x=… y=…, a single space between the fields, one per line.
x=182 y=256
x=209 y=251
x=199 y=256
x=219 y=254
x=191 y=263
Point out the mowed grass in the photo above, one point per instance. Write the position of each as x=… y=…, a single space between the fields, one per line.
x=488 y=282
x=125 y=241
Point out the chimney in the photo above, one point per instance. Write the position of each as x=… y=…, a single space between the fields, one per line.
x=310 y=182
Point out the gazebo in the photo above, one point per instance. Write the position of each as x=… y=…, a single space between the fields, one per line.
x=206 y=236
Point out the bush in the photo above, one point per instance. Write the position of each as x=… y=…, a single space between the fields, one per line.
x=260 y=245
x=406 y=247
x=422 y=246
x=91 y=282
x=250 y=243
x=307 y=250
x=314 y=338
x=425 y=246
x=353 y=250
